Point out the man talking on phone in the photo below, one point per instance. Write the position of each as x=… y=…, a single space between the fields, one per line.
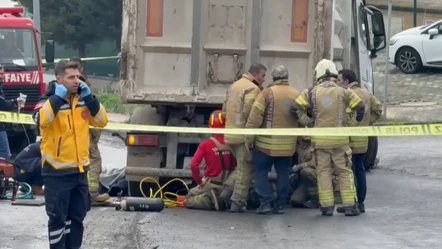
x=64 y=120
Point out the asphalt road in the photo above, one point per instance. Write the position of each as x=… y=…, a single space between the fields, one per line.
x=402 y=212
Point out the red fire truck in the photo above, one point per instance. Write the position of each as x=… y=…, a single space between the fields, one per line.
x=21 y=59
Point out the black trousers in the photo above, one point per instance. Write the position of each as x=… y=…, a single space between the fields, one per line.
x=67 y=202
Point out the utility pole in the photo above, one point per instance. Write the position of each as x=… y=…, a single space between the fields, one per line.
x=387 y=41
x=36 y=18
x=415 y=13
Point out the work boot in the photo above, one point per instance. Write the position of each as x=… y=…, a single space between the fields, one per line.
x=99 y=198
x=278 y=209
x=310 y=204
x=361 y=207
x=37 y=190
x=264 y=209
x=237 y=208
x=327 y=211
x=351 y=210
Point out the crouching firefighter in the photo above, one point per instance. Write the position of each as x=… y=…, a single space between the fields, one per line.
x=218 y=173
x=27 y=167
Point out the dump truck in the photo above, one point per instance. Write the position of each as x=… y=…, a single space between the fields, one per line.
x=179 y=57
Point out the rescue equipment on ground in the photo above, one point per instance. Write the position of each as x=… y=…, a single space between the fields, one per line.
x=7 y=184
x=179 y=199
x=367 y=131
x=140 y=204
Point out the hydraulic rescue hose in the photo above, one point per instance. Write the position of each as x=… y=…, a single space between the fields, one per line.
x=179 y=202
x=27 y=195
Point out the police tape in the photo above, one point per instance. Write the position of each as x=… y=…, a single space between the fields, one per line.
x=85 y=59
x=365 y=131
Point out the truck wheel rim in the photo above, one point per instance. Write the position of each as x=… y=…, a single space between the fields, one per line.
x=407 y=61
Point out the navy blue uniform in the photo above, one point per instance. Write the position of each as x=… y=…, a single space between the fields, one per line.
x=27 y=165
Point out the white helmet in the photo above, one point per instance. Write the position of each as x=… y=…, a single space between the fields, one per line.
x=325 y=68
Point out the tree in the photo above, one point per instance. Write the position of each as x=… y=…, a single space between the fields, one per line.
x=77 y=23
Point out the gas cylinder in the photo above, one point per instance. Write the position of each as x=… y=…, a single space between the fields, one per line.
x=140 y=204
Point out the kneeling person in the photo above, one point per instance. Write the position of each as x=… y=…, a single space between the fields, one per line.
x=220 y=164
x=27 y=167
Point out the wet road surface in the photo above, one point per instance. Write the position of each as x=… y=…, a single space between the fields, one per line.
x=402 y=212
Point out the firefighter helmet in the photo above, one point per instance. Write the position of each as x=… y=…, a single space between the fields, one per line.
x=325 y=68
x=217 y=120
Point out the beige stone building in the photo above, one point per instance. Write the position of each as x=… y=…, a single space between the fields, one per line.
x=402 y=16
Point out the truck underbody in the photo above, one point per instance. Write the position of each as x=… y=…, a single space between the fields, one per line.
x=182 y=67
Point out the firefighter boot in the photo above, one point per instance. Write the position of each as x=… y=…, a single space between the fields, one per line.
x=99 y=198
x=351 y=210
x=313 y=203
x=237 y=208
x=327 y=211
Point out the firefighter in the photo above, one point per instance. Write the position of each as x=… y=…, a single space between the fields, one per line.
x=239 y=100
x=27 y=167
x=94 y=151
x=304 y=174
x=272 y=109
x=328 y=102
x=220 y=164
x=359 y=145
x=64 y=120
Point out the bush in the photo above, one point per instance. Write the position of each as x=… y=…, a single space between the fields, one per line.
x=113 y=104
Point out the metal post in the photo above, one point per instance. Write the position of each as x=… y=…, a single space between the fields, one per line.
x=387 y=40
x=36 y=18
x=415 y=13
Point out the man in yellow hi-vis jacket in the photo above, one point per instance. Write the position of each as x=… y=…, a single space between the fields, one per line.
x=328 y=102
x=239 y=100
x=64 y=120
x=359 y=145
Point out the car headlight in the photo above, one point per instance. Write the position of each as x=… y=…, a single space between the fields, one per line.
x=393 y=41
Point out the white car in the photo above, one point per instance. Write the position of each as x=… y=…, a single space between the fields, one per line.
x=414 y=48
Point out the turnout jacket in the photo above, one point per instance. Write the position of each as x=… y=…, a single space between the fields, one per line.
x=272 y=109
x=373 y=111
x=237 y=106
x=329 y=102
x=64 y=128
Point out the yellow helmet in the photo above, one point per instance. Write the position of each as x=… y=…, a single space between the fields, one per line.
x=325 y=68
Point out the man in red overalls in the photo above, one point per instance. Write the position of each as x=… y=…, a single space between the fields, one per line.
x=218 y=172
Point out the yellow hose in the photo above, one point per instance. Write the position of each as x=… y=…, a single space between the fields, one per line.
x=167 y=202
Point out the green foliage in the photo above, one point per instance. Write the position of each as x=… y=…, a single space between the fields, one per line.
x=76 y=23
x=113 y=104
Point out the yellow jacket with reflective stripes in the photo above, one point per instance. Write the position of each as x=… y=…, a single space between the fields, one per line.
x=64 y=128
x=373 y=111
x=272 y=109
x=239 y=100
x=328 y=102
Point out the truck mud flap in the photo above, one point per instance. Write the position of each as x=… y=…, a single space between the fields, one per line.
x=372 y=152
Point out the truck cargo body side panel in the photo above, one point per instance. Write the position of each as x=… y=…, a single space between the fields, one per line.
x=190 y=51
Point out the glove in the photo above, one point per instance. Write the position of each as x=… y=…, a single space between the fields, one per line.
x=295 y=169
x=85 y=91
x=60 y=90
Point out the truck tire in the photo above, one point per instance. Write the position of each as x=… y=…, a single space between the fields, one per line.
x=144 y=115
x=372 y=152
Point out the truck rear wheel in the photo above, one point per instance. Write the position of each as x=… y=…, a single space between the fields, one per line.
x=372 y=152
x=145 y=115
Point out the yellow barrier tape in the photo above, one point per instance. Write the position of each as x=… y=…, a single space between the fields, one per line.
x=84 y=59
x=366 y=131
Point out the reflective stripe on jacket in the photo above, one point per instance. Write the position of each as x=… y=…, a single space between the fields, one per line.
x=272 y=109
x=328 y=102
x=64 y=129
x=239 y=100
x=373 y=111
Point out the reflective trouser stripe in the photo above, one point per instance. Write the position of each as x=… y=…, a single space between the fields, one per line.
x=58 y=234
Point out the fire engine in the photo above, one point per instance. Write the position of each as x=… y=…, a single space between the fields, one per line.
x=20 y=57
